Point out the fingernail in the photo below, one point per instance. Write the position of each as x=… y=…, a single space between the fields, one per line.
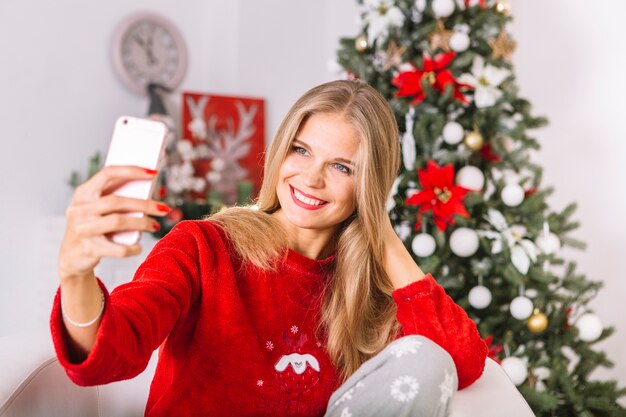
x=164 y=207
x=156 y=226
x=150 y=171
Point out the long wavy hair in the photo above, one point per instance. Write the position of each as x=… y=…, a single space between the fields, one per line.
x=358 y=314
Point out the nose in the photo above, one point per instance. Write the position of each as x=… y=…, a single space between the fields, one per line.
x=314 y=176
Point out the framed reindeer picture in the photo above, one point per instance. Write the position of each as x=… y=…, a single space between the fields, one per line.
x=223 y=140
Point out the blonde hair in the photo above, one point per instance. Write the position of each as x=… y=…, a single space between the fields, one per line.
x=358 y=313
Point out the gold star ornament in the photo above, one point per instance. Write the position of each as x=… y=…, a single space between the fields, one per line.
x=502 y=46
x=393 y=56
x=440 y=38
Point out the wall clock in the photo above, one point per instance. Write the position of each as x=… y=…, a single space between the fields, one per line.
x=147 y=48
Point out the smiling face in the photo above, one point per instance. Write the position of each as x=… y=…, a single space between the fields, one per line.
x=316 y=182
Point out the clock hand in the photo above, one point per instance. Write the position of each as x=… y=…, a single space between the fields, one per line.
x=147 y=47
x=150 y=38
x=139 y=41
x=151 y=58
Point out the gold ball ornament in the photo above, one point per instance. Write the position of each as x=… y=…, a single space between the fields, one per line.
x=538 y=322
x=361 y=43
x=504 y=7
x=474 y=140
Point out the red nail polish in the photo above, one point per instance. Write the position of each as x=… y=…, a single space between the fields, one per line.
x=150 y=171
x=164 y=207
x=156 y=226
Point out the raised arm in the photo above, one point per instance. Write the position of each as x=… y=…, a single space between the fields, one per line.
x=424 y=308
x=139 y=315
x=399 y=265
x=94 y=213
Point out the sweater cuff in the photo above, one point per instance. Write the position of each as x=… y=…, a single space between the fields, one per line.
x=421 y=288
x=60 y=338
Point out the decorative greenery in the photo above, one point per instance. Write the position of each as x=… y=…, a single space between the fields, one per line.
x=94 y=165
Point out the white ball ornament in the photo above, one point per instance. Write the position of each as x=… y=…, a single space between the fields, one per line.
x=531 y=293
x=521 y=307
x=464 y=242
x=479 y=297
x=516 y=369
x=548 y=243
x=443 y=8
x=512 y=195
x=542 y=372
x=423 y=245
x=589 y=327
x=459 y=41
x=470 y=177
x=403 y=230
x=453 y=133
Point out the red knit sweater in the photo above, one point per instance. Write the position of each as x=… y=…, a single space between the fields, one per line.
x=240 y=341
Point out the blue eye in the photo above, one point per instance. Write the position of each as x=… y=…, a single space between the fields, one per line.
x=299 y=149
x=343 y=168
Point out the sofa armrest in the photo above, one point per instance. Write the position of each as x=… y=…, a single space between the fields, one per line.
x=33 y=384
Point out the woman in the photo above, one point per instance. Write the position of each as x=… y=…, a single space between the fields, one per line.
x=270 y=310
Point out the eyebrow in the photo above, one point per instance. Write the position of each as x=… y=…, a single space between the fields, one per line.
x=345 y=161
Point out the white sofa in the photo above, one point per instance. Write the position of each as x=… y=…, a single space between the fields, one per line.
x=33 y=384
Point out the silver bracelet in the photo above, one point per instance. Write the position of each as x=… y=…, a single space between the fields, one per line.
x=90 y=322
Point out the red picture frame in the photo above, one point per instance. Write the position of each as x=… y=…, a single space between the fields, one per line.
x=228 y=138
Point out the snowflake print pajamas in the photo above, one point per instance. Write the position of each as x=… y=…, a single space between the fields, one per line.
x=413 y=376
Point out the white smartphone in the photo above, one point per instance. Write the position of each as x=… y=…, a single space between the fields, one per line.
x=139 y=142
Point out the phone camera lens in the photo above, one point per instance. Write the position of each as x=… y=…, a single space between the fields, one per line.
x=125 y=121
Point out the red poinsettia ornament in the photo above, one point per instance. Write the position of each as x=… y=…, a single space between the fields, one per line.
x=487 y=152
x=409 y=83
x=566 y=317
x=439 y=194
x=481 y=3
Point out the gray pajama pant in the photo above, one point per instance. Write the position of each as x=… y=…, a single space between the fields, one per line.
x=412 y=376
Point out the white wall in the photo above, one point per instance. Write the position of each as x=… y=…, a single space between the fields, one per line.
x=59 y=97
x=570 y=67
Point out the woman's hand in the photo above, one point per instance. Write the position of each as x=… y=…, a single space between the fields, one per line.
x=399 y=264
x=390 y=237
x=95 y=213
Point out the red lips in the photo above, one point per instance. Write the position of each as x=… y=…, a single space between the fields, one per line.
x=305 y=205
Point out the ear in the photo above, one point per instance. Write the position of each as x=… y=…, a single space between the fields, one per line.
x=282 y=364
x=311 y=360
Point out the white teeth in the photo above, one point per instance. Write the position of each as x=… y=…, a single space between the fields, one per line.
x=306 y=200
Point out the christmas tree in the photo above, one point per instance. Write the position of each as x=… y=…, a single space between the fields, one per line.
x=469 y=202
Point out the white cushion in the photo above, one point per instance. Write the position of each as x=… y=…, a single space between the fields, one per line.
x=492 y=395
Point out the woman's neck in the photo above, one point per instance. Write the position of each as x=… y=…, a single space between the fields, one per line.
x=312 y=243
x=314 y=249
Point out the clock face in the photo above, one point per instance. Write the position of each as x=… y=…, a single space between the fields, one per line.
x=148 y=49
